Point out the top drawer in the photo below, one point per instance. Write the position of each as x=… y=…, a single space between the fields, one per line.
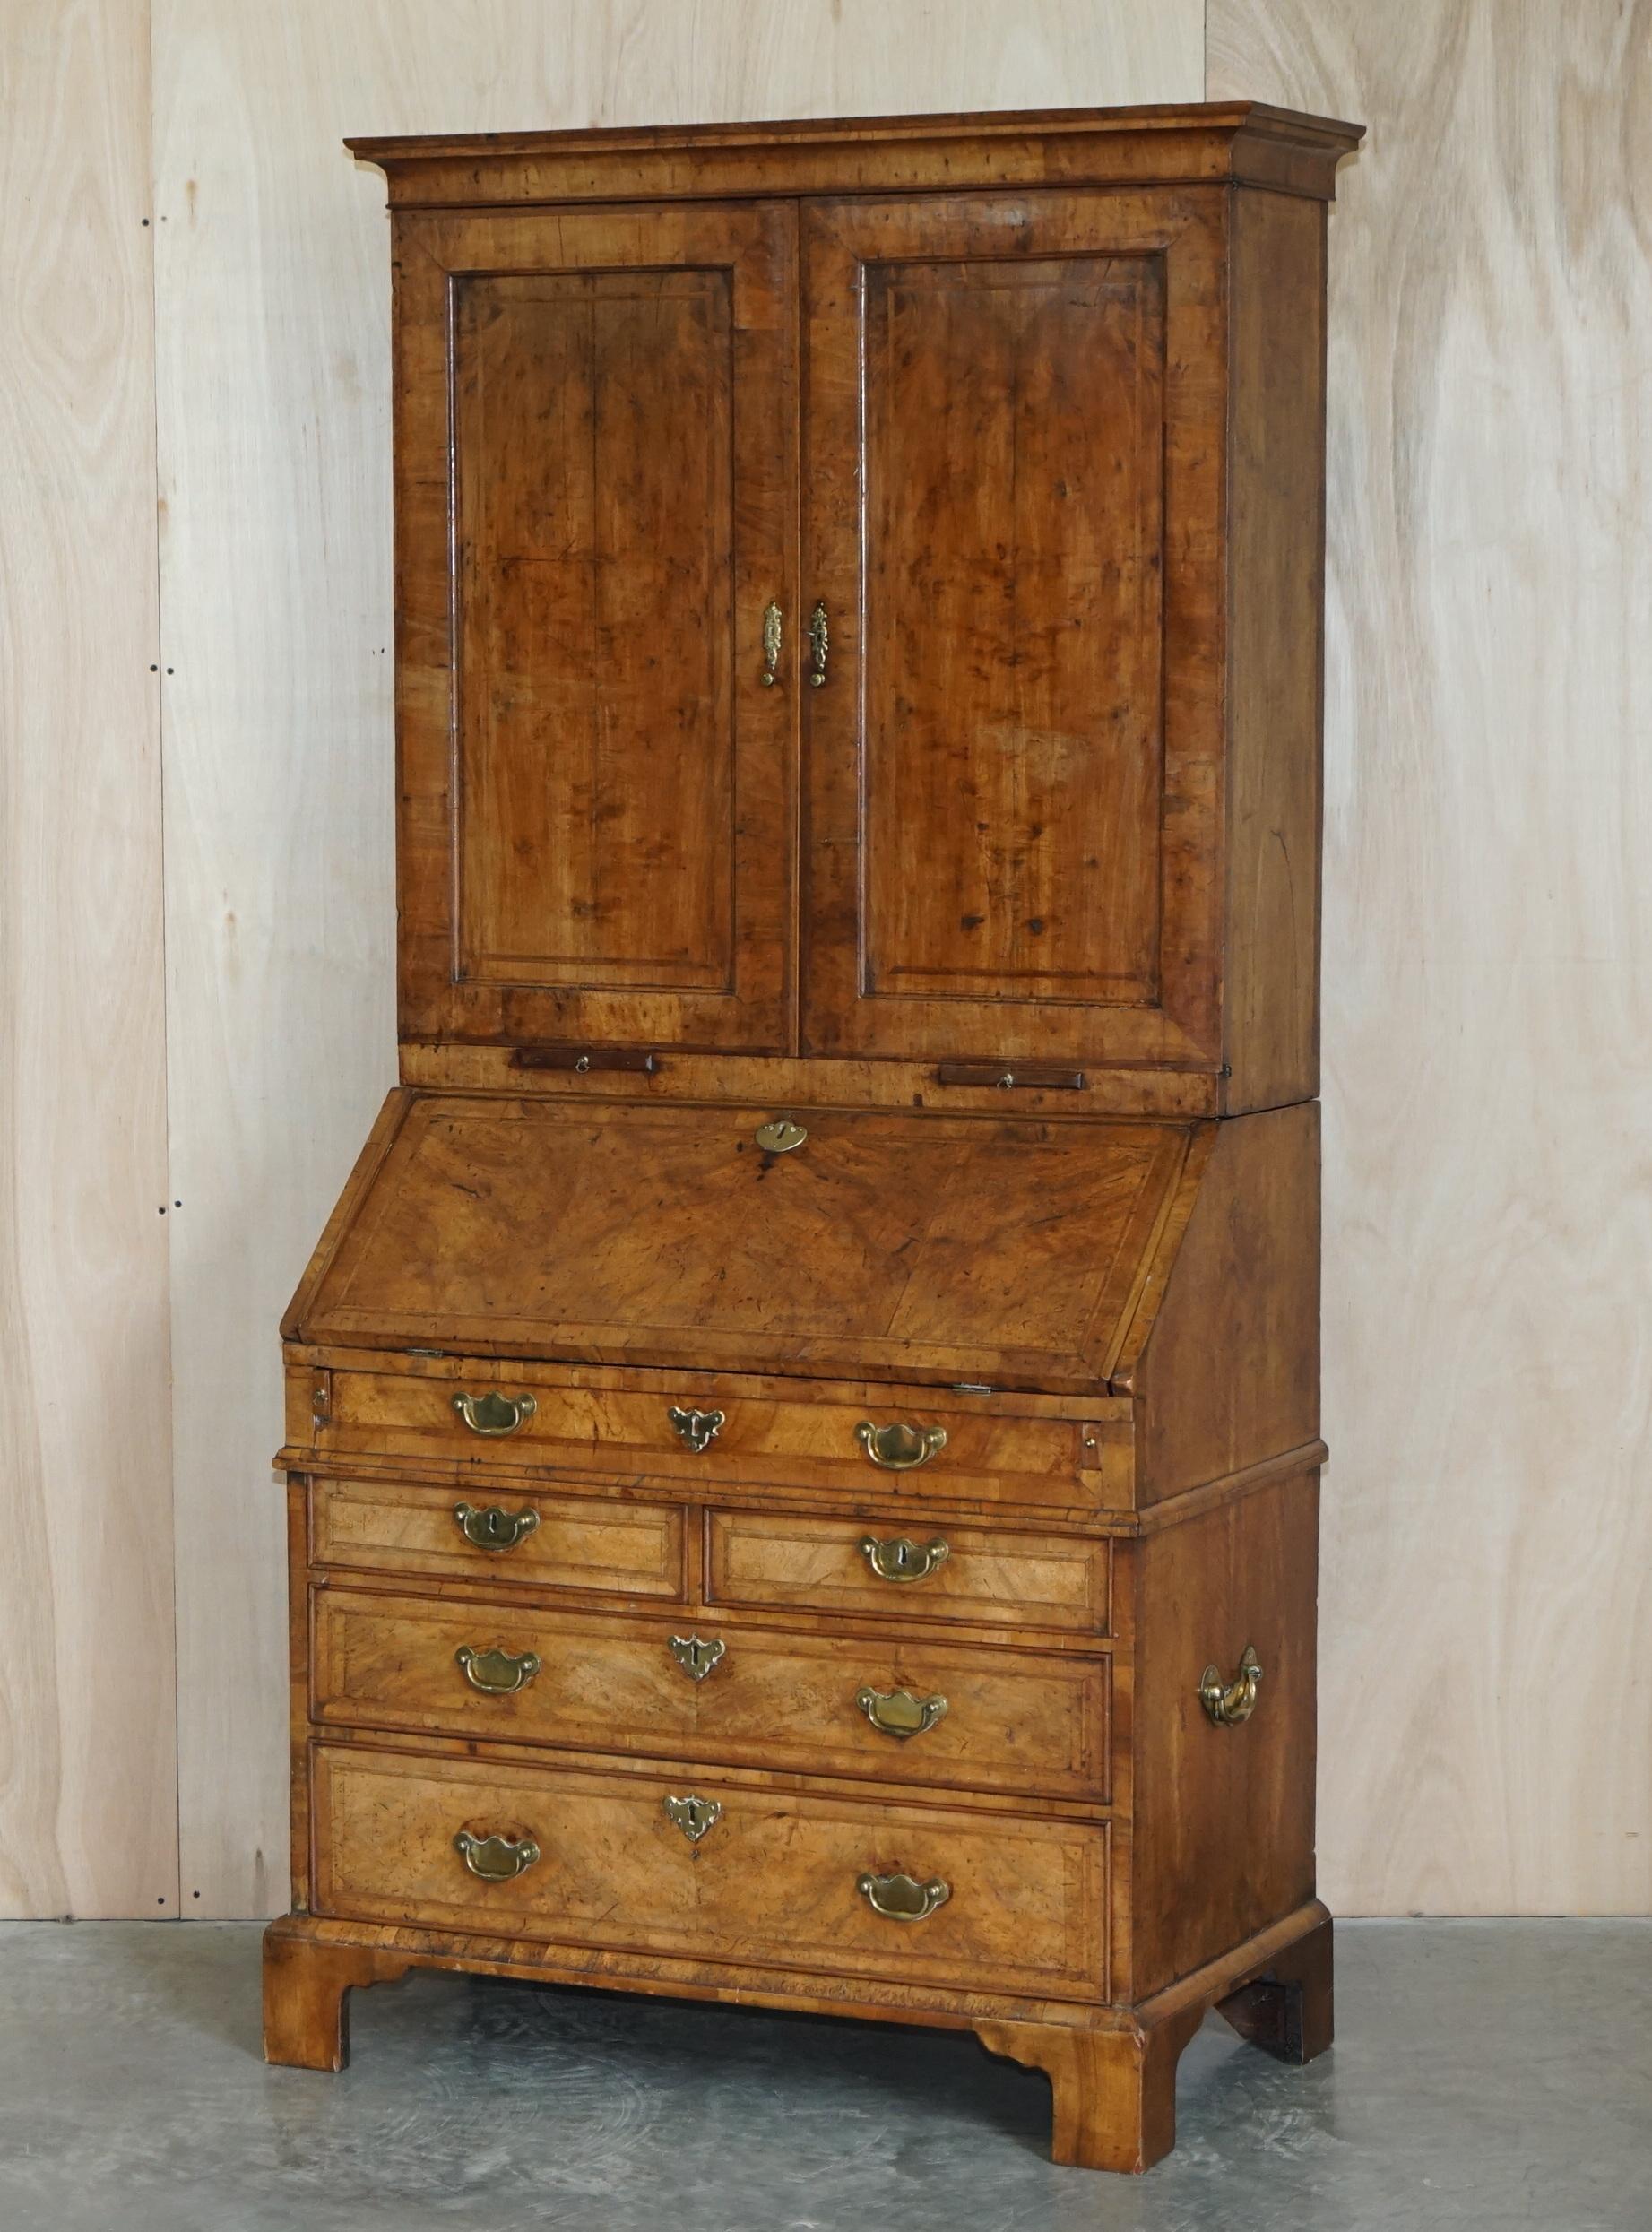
x=902 y=1442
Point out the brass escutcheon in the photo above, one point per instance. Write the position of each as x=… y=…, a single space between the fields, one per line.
x=901 y=1896
x=697 y=1429
x=697 y=1658
x=693 y=1816
x=496 y=1859
x=780 y=1137
x=497 y=1672
x=898 y=1713
x=494 y=1528
x=818 y=647
x=494 y=1413
x=771 y=645
x=900 y=1448
x=900 y=1559
x=1228 y=1704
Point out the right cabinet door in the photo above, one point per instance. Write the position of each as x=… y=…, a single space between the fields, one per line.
x=1012 y=530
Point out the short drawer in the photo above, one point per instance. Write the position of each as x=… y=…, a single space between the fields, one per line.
x=938 y=1572
x=773 y=1879
x=519 y=1536
x=918 y=1712
x=899 y=1441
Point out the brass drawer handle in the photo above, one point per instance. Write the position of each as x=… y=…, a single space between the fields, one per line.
x=697 y=1429
x=900 y=1448
x=496 y=1859
x=494 y=1413
x=697 y=1658
x=1230 y=1703
x=898 y=1713
x=902 y=1898
x=901 y=1558
x=693 y=1816
x=498 y=1671
x=493 y=1528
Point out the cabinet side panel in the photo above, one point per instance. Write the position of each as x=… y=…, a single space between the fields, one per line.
x=1223 y=1832
x=1277 y=592
x=1231 y=1373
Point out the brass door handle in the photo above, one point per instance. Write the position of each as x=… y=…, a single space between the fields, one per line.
x=494 y=1413
x=697 y=1429
x=898 y=1713
x=900 y=1448
x=902 y=1898
x=493 y=1528
x=498 y=1671
x=496 y=1859
x=771 y=645
x=818 y=647
x=697 y=1658
x=901 y=1558
x=1229 y=1703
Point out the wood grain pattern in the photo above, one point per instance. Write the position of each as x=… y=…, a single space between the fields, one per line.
x=773 y=1878
x=88 y=1813
x=631 y=1549
x=1488 y=915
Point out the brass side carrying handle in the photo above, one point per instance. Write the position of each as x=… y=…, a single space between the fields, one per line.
x=494 y=1413
x=900 y=1448
x=1230 y=1703
x=898 y=1713
x=496 y=1859
x=902 y=1898
x=771 y=645
x=900 y=1559
x=494 y=1528
x=497 y=1672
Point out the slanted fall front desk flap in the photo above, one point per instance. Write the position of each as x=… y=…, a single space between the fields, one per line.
x=878 y=1244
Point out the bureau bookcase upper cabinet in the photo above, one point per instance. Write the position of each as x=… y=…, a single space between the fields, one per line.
x=819 y=622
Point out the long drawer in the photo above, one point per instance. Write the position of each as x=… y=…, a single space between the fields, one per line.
x=984 y=1576
x=769 y=1878
x=515 y=1535
x=906 y=1441
x=922 y=1712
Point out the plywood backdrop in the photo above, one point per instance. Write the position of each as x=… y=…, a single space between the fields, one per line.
x=1488 y=1728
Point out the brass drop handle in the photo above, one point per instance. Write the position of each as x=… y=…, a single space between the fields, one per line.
x=494 y=1413
x=697 y=1429
x=493 y=1528
x=496 y=1859
x=901 y=1896
x=1229 y=1703
x=771 y=645
x=900 y=1448
x=898 y=1713
x=818 y=647
x=900 y=1559
x=497 y=1672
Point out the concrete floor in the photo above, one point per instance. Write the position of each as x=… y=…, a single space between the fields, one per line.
x=1489 y=2074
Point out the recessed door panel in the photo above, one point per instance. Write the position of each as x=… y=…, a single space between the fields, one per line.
x=596 y=498
x=1011 y=513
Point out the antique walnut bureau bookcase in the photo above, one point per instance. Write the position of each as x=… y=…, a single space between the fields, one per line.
x=803 y=1430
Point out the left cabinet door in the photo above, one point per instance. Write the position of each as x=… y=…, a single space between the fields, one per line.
x=596 y=478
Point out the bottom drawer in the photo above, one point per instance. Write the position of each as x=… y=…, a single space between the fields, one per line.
x=777 y=1878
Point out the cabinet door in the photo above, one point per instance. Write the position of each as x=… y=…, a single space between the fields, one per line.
x=596 y=477
x=1012 y=461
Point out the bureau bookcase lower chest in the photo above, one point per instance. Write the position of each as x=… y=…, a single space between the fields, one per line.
x=802 y=1429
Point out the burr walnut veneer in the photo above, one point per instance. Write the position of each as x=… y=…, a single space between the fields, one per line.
x=802 y=1429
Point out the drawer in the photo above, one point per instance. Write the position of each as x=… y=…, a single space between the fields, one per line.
x=550 y=1542
x=938 y=1572
x=699 y=1434
x=773 y=1881
x=993 y=1720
